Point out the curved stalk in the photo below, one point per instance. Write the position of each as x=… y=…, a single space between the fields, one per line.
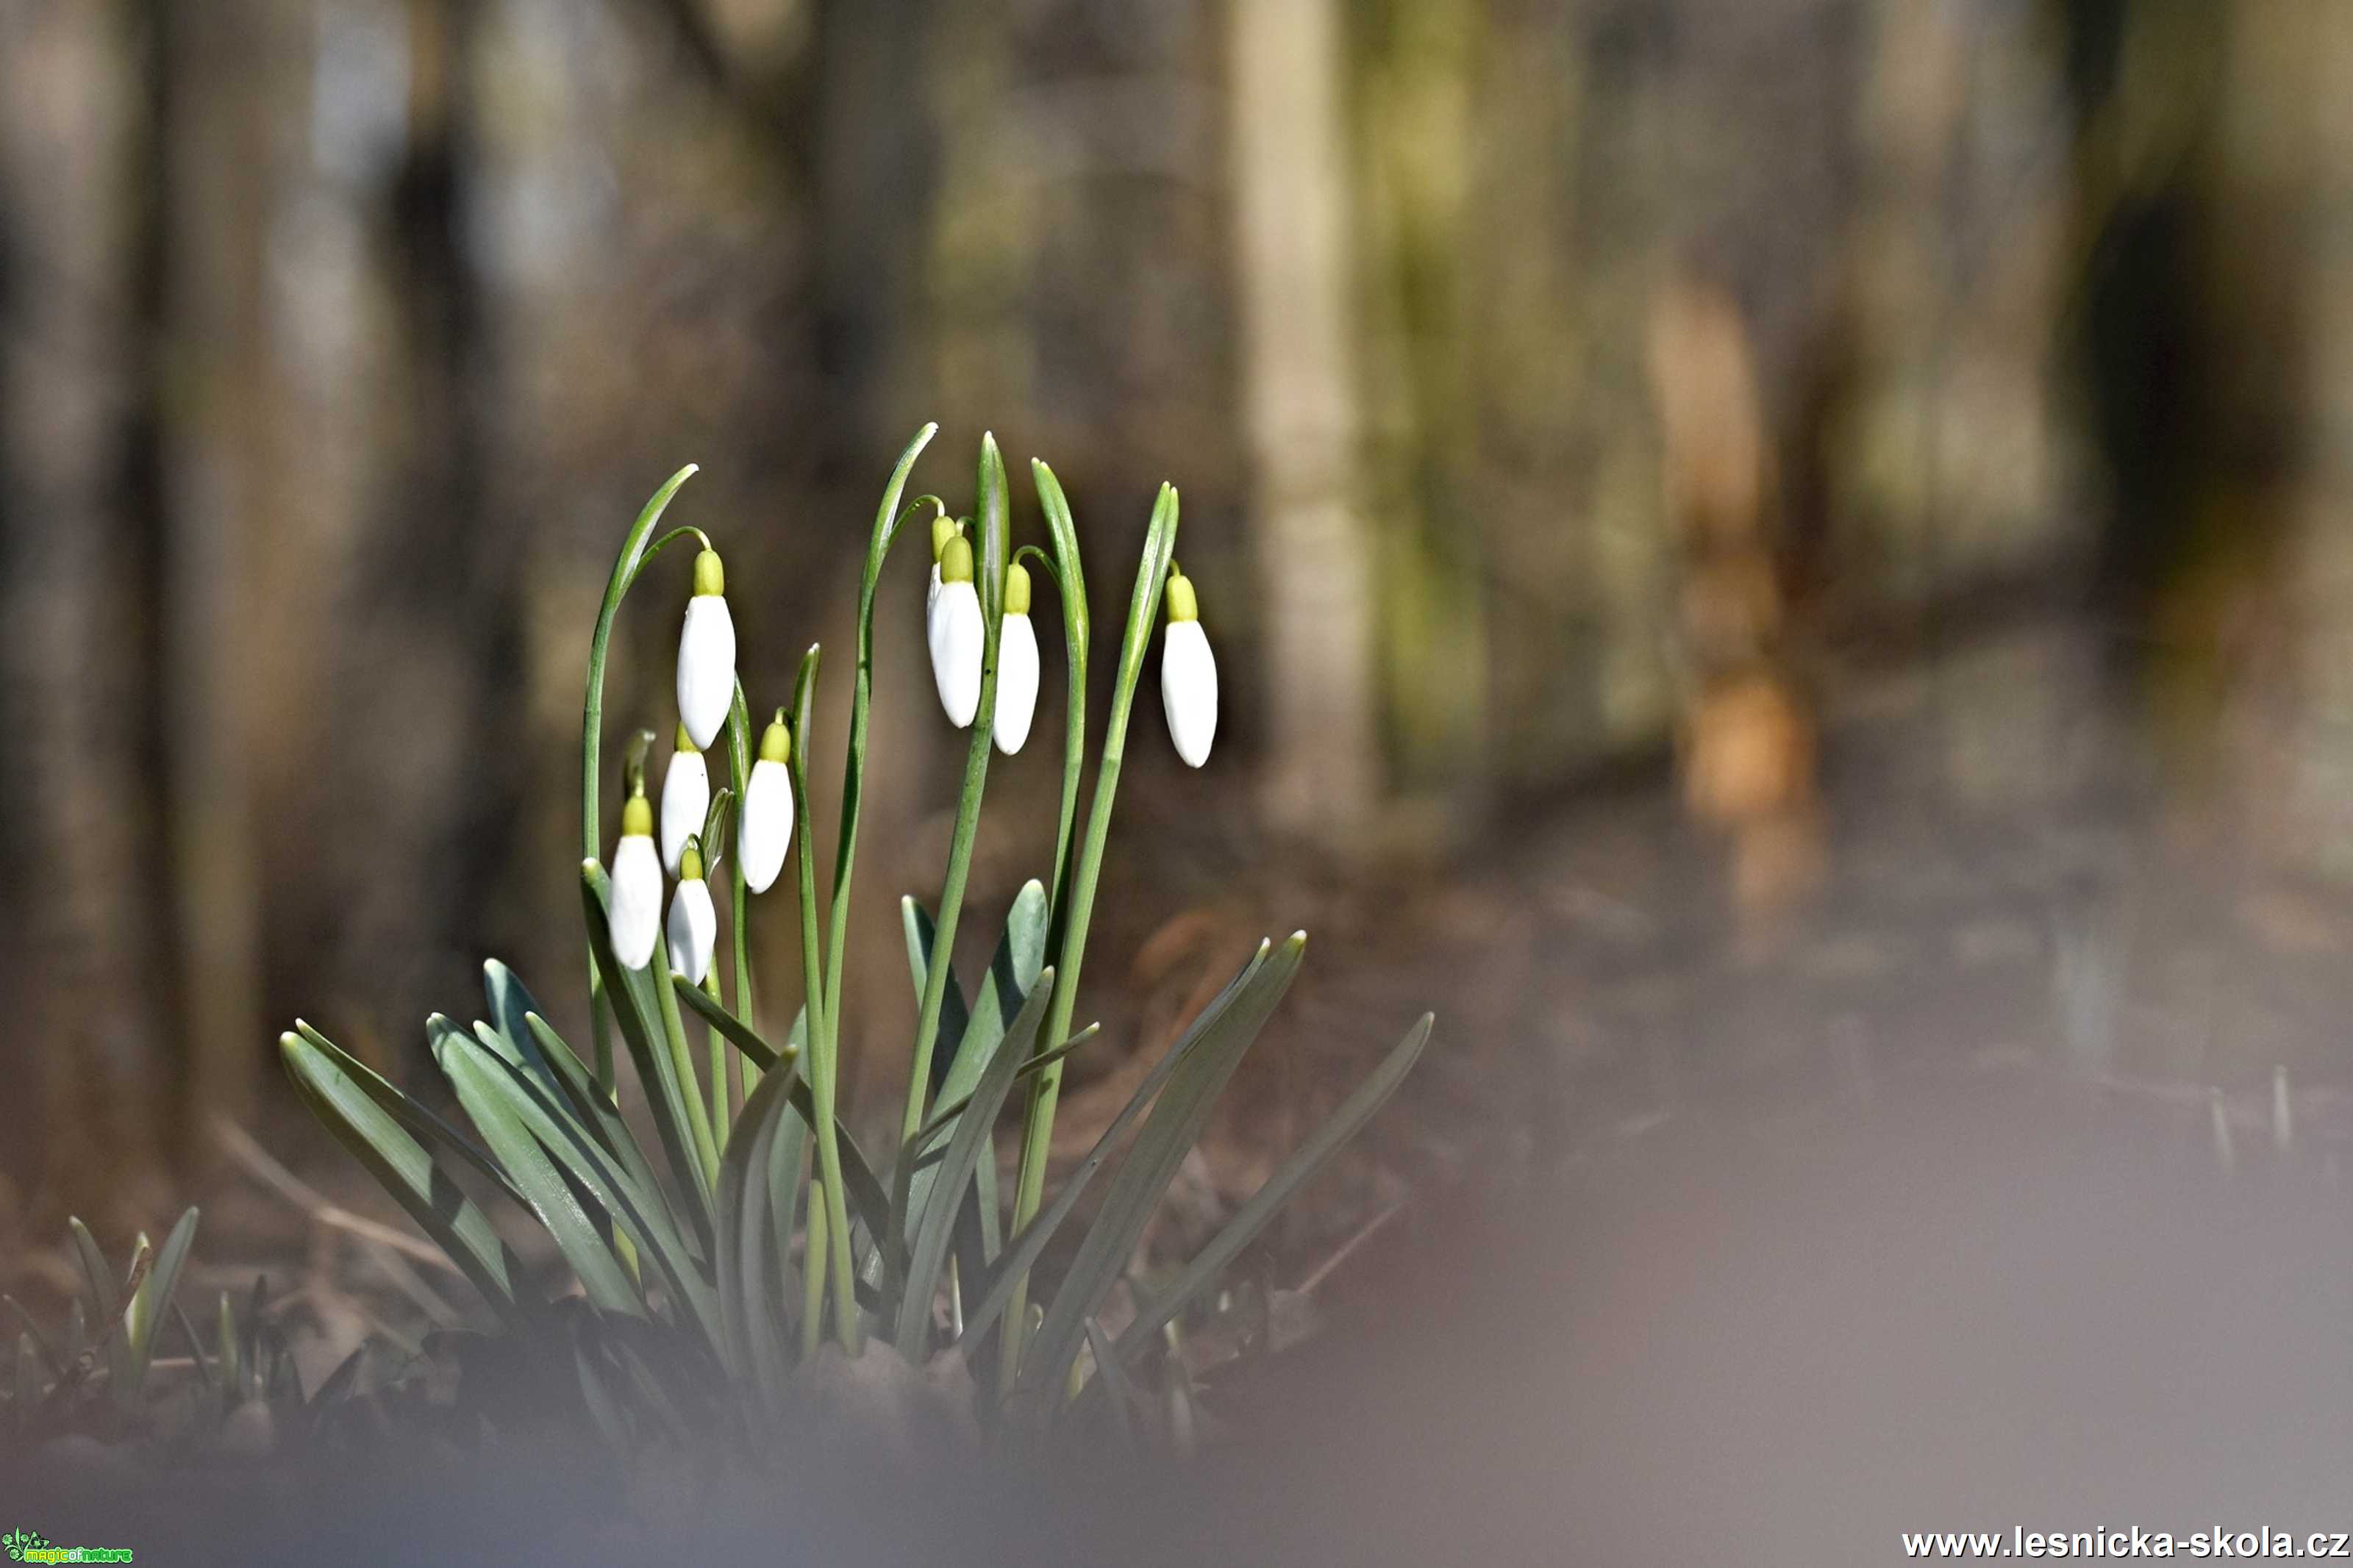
x=995 y=530
x=626 y=566
x=1071 y=587
x=1143 y=614
x=888 y=520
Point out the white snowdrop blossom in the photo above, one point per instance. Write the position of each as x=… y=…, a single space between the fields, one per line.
x=1017 y=663
x=1189 y=675
x=685 y=799
x=706 y=654
x=764 y=827
x=957 y=634
x=693 y=929
x=636 y=909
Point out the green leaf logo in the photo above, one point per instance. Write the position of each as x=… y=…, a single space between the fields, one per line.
x=17 y=1542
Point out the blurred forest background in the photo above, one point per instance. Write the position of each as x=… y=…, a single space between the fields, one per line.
x=1640 y=397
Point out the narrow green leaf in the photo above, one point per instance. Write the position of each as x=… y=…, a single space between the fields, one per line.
x=155 y=1294
x=1161 y=1144
x=747 y=1232
x=1025 y=1247
x=954 y=1014
x=405 y=1171
x=935 y=1220
x=545 y=1192
x=634 y=1208
x=1296 y=1173
x=106 y=1304
x=1012 y=975
x=589 y=1109
x=40 y=1340
x=425 y=1124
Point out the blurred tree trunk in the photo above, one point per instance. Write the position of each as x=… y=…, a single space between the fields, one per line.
x=84 y=834
x=214 y=164
x=1295 y=277
x=1416 y=83
x=432 y=691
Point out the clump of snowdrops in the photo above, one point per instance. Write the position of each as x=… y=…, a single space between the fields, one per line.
x=718 y=1268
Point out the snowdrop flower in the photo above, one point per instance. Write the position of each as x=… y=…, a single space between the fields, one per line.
x=706 y=653
x=636 y=908
x=1189 y=675
x=693 y=929
x=1017 y=663
x=957 y=634
x=764 y=829
x=685 y=801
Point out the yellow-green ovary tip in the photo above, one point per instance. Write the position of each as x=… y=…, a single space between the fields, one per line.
x=637 y=819
x=1182 y=604
x=776 y=742
x=956 y=561
x=1017 y=589
x=710 y=576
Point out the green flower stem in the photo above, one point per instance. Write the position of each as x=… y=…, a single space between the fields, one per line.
x=706 y=1147
x=719 y=1054
x=1143 y=614
x=633 y=556
x=739 y=775
x=824 y=1058
x=995 y=530
x=813 y=1273
x=888 y=520
x=1071 y=588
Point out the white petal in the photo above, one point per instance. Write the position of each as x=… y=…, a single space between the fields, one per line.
x=765 y=830
x=956 y=638
x=932 y=594
x=685 y=802
x=693 y=930
x=1016 y=682
x=1188 y=690
x=706 y=668
x=636 y=909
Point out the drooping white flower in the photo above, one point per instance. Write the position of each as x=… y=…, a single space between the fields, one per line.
x=764 y=827
x=1189 y=675
x=635 y=912
x=957 y=634
x=693 y=929
x=1017 y=663
x=706 y=654
x=685 y=799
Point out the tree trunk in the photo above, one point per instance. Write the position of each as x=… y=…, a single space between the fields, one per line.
x=1299 y=407
x=83 y=831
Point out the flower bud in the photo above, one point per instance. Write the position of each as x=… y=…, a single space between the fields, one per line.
x=635 y=912
x=1017 y=663
x=685 y=799
x=706 y=654
x=764 y=825
x=957 y=634
x=693 y=928
x=1189 y=675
